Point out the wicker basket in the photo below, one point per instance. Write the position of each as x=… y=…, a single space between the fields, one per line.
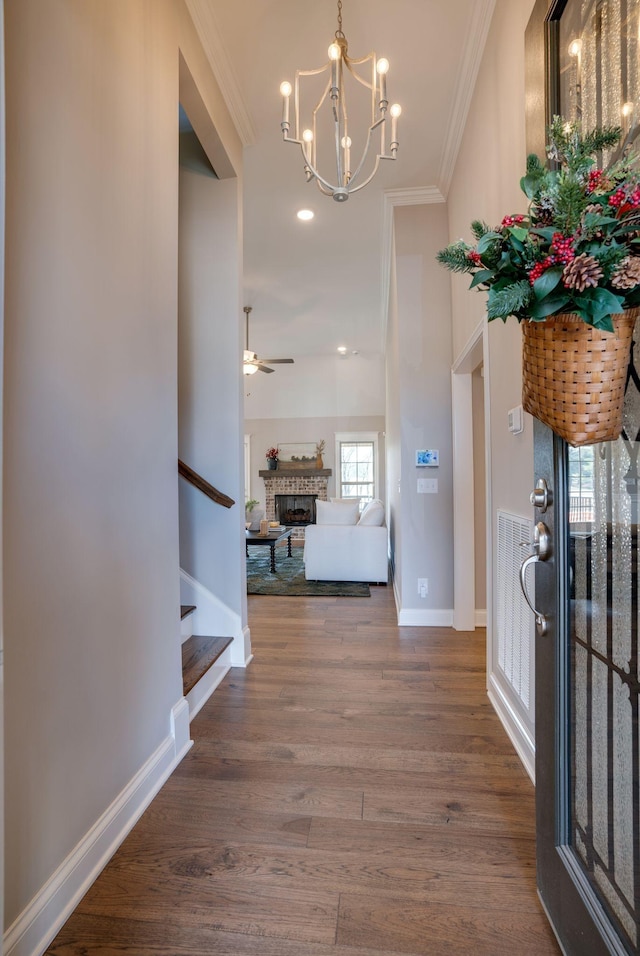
x=574 y=377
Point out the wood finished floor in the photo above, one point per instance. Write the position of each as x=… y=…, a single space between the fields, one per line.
x=351 y=794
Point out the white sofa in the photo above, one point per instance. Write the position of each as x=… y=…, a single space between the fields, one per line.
x=346 y=552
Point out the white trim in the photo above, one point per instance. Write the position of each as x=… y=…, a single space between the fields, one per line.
x=430 y=617
x=247 y=467
x=213 y=616
x=464 y=597
x=474 y=44
x=180 y=730
x=481 y=617
x=489 y=526
x=208 y=31
x=415 y=196
x=43 y=917
x=516 y=731
x=471 y=355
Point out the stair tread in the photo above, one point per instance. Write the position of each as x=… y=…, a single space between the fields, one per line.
x=199 y=653
x=186 y=610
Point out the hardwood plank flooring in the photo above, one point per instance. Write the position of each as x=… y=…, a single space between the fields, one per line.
x=352 y=793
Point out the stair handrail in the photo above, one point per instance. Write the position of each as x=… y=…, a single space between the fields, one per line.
x=203 y=485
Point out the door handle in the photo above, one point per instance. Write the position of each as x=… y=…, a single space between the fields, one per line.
x=542 y=551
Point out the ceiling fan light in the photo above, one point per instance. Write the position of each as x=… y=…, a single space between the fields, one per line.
x=249 y=369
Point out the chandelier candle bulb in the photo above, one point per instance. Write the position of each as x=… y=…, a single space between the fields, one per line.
x=395 y=111
x=382 y=67
x=285 y=89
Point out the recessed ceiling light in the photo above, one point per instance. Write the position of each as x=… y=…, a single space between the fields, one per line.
x=342 y=349
x=305 y=214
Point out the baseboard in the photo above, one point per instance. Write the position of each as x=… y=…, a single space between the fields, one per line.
x=44 y=916
x=481 y=617
x=429 y=617
x=180 y=729
x=241 y=648
x=516 y=731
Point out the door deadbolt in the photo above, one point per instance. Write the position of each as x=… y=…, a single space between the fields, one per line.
x=541 y=497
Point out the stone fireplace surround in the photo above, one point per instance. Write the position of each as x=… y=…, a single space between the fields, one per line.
x=283 y=482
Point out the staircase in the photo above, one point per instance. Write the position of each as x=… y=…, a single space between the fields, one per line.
x=205 y=662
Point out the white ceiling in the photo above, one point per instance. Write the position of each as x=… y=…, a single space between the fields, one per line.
x=314 y=286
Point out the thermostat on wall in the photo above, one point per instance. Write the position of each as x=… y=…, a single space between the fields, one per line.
x=516 y=420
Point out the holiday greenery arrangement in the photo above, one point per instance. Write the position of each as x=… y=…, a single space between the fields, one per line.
x=577 y=249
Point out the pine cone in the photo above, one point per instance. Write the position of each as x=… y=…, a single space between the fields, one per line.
x=583 y=271
x=627 y=275
x=543 y=211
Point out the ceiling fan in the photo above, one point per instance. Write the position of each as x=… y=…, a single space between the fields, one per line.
x=251 y=363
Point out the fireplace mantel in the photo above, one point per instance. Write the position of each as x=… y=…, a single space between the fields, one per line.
x=296 y=473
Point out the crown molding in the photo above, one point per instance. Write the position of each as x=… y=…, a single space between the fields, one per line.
x=208 y=31
x=414 y=196
x=477 y=32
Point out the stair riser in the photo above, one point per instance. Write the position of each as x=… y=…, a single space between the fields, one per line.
x=200 y=694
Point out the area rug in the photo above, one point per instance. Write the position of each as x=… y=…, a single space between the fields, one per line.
x=289 y=578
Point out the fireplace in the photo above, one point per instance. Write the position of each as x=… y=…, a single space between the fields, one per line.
x=296 y=510
x=295 y=484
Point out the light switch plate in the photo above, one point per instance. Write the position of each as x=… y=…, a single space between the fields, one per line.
x=427 y=486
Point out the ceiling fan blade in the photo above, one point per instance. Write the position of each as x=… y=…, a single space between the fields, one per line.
x=263 y=368
x=278 y=361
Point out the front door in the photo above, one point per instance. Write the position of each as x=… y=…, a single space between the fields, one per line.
x=586 y=586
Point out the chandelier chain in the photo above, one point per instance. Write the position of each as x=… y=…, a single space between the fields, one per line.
x=339 y=32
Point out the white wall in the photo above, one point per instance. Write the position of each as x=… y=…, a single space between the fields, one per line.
x=485 y=186
x=90 y=504
x=325 y=386
x=210 y=397
x=423 y=355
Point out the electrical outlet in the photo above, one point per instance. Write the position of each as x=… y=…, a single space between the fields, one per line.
x=423 y=587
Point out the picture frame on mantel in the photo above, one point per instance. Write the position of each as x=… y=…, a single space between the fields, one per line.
x=297 y=454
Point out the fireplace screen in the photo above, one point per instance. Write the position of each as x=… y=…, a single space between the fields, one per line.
x=296 y=510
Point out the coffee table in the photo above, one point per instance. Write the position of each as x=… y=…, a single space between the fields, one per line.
x=271 y=539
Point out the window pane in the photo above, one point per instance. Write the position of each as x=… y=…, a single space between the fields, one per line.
x=357 y=470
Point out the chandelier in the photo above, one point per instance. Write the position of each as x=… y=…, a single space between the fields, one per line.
x=339 y=64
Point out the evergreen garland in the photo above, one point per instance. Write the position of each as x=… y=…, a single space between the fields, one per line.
x=511 y=300
x=479 y=228
x=577 y=248
x=456 y=257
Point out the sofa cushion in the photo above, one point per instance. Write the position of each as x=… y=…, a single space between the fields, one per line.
x=328 y=512
x=345 y=501
x=372 y=513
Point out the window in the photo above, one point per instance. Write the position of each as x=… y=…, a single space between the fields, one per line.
x=357 y=466
x=247 y=467
x=581 y=491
